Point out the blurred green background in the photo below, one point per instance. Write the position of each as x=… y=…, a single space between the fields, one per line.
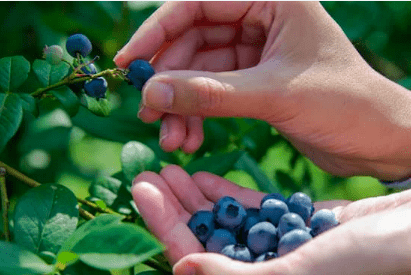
x=91 y=145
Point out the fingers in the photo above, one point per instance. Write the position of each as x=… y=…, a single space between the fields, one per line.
x=185 y=190
x=181 y=132
x=214 y=187
x=164 y=216
x=171 y=20
x=351 y=248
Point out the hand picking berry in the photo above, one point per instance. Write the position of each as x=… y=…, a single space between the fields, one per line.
x=140 y=72
x=260 y=234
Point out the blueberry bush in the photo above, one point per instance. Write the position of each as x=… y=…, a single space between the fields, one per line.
x=71 y=143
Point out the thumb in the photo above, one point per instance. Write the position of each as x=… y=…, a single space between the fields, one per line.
x=243 y=93
x=209 y=264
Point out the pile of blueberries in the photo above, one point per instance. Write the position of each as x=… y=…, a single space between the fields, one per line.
x=79 y=47
x=259 y=234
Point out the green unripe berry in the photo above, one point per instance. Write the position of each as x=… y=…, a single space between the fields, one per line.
x=53 y=54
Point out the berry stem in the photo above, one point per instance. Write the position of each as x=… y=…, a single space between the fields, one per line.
x=71 y=79
x=32 y=183
x=4 y=203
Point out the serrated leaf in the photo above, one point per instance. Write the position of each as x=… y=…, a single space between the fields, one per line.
x=16 y=261
x=117 y=246
x=249 y=165
x=105 y=188
x=136 y=157
x=68 y=99
x=218 y=164
x=45 y=217
x=14 y=71
x=95 y=224
x=100 y=107
x=49 y=74
x=11 y=115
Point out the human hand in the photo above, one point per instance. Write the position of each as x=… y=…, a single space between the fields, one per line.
x=287 y=63
x=374 y=236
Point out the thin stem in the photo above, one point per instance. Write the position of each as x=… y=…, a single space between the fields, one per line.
x=157 y=265
x=4 y=203
x=73 y=79
x=32 y=183
x=20 y=176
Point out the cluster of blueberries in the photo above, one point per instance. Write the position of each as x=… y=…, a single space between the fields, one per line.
x=79 y=46
x=259 y=234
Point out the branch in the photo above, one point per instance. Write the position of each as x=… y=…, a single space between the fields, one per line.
x=32 y=183
x=4 y=203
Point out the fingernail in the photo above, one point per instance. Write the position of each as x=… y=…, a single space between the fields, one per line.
x=158 y=95
x=141 y=108
x=163 y=132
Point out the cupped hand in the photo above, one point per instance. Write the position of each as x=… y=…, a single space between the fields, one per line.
x=287 y=63
x=374 y=236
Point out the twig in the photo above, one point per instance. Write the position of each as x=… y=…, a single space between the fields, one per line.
x=4 y=203
x=32 y=183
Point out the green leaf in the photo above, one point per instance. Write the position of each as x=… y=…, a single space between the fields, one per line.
x=11 y=115
x=68 y=99
x=95 y=224
x=14 y=71
x=218 y=164
x=16 y=261
x=45 y=217
x=136 y=157
x=105 y=188
x=80 y=268
x=28 y=103
x=117 y=246
x=50 y=74
x=249 y=165
x=151 y=272
x=99 y=107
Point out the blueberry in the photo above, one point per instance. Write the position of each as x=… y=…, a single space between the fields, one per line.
x=220 y=239
x=262 y=238
x=276 y=196
x=301 y=204
x=89 y=69
x=229 y=214
x=253 y=217
x=96 y=87
x=202 y=225
x=53 y=54
x=266 y=256
x=140 y=72
x=292 y=240
x=272 y=210
x=78 y=43
x=237 y=252
x=322 y=220
x=288 y=222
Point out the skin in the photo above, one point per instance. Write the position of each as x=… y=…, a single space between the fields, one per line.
x=374 y=235
x=287 y=63
x=290 y=64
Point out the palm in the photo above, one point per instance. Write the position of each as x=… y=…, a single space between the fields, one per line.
x=169 y=200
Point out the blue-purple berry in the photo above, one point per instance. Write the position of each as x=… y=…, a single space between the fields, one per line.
x=78 y=44
x=322 y=221
x=220 y=239
x=202 y=225
x=96 y=87
x=292 y=240
x=272 y=210
x=140 y=72
x=288 y=222
x=262 y=238
x=238 y=252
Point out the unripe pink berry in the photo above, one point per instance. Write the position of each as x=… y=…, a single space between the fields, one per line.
x=53 y=54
